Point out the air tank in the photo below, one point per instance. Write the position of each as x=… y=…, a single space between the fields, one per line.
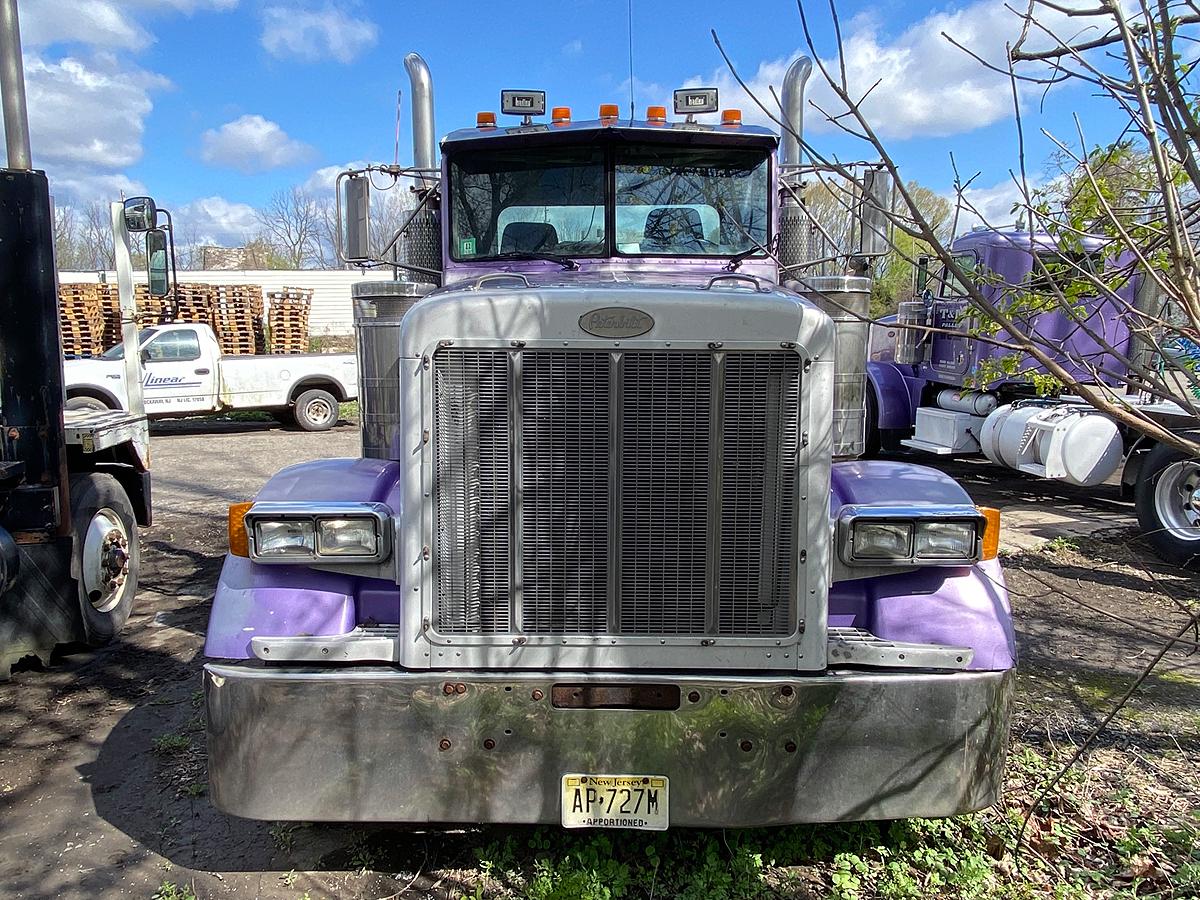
x=379 y=307
x=847 y=300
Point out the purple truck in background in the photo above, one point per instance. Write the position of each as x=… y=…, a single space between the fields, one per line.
x=610 y=557
x=925 y=391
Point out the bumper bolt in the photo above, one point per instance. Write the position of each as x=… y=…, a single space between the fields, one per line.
x=447 y=688
x=790 y=746
x=787 y=690
x=537 y=694
x=746 y=746
x=460 y=688
x=489 y=744
x=694 y=697
x=444 y=744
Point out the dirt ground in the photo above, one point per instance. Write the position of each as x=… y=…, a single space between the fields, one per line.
x=102 y=781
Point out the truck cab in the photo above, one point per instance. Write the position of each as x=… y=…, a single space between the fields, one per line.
x=609 y=558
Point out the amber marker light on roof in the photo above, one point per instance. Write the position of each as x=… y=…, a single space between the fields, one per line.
x=731 y=117
x=561 y=115
x=656 y=115
x=239 y=539
x=609 y=110
x=485 y=120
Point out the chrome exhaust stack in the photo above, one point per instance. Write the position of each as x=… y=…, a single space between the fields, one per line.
x=421 y=83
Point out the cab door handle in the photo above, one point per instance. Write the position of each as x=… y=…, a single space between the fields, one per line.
x=202 y=371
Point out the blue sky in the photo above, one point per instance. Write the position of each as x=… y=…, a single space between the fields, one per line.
x=213 y=105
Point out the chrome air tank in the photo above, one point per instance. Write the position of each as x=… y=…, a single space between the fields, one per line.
x=379 y=307
x=847 y=300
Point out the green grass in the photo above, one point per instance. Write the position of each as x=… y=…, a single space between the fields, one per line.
x=169 y=890
x=171 y=744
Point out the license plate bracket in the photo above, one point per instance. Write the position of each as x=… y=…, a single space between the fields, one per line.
x=636 y=802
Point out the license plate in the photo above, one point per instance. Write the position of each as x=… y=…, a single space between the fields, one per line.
x=640 y=802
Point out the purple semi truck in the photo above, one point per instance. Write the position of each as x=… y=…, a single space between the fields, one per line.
x=610 y=557
x=934 y=392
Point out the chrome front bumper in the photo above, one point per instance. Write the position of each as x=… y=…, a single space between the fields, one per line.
x=380 y=744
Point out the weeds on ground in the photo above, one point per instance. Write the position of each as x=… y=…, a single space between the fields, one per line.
x=170 y=744
x=169 y=890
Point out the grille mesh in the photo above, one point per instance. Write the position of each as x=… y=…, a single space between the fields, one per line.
x=473 y=496
x=758 y=483
x=674 y=516
x=665 y=417
x=565 y=477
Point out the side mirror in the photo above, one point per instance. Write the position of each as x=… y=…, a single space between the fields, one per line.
x=356 y=203
x=157 y=263
x=922 y=276
x=144 y=353
x=140 y=214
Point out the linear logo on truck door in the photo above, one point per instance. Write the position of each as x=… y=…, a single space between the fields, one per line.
x=162 y=381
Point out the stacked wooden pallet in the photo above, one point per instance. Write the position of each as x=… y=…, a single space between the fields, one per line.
x=150 y=310
x=194 y=303
x=233 y=317
x=80 y=318
x=110 y=309
x=287 y=316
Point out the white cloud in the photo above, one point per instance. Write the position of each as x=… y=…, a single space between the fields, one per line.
x=572 y=48
x=310 y=35
x=927 y=86
x=993 y=206
x=87 y=120
x=252 y=144
x=320 y=183
x=216 y=221
x=100 y=23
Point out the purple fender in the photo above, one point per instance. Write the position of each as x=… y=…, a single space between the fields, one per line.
x=271 y=601
x=894 y=394
x=965 y=607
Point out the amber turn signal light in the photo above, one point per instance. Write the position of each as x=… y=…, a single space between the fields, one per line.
x=990 y=547
x=239 y=538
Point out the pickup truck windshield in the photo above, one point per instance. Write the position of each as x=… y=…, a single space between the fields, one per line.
x=565 y=202
x=118 y=352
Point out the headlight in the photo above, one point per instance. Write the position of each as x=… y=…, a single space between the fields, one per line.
x=882 y=540
x=946 y=540
x=314 y=532
x=347 y=537
x=910 y=536
x=285 y=538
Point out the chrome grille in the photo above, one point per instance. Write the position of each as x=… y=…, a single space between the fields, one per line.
x=673 y=515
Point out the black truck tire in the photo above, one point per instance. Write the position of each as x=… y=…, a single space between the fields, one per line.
x=107 y=555
x=316 y=410
x=1167 y=499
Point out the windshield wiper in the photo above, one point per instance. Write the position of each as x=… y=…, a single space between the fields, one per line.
x=564 y=261
x=738 y=258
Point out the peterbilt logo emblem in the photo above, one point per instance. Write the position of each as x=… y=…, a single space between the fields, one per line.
x=616 y=322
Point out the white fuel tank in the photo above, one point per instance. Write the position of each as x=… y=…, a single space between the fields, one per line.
x=1067 y=442
x=977 y=403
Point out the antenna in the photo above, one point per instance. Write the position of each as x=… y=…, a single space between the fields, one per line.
x=630 y=20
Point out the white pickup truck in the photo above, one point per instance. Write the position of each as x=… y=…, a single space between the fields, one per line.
x=184 y=373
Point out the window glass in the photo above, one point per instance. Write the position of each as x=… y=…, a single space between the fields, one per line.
x=690 y=201
x=174 y=346
x=527 y=201
x=118 y=352
x=952 y=287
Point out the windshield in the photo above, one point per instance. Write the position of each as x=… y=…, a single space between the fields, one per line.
x=690 y=201
x=118 y=352
x=557 y=202
x=522 y=202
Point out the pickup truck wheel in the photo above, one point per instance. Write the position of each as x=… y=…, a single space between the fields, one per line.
x=87 y=403
x=316 y=410
x=1167 y=498
x=107 y=556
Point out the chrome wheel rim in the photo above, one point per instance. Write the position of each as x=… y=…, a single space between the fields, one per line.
x=1177 y=500
x=318 y=411
x=105 y=561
